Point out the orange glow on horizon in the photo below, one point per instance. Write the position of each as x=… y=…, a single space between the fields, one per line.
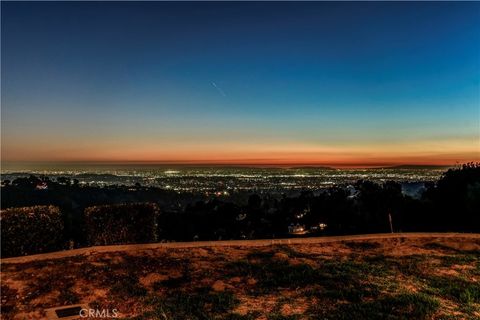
x=419 y=153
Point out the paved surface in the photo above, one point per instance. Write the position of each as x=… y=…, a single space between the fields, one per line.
x=238 y=243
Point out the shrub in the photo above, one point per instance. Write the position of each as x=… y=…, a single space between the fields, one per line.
x=30 y=230
x=121 y=224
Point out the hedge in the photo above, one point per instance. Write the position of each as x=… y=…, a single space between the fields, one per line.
x=122 y=223
x=30 y=230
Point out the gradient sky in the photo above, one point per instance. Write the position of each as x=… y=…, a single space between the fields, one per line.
x=305 y=83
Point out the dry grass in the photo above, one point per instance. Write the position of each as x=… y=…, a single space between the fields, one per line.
x=424 y=278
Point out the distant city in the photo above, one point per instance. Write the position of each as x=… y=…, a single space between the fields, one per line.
x=223 y=180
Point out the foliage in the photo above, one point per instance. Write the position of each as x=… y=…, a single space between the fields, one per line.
x=454 y=202
x=31 y=230
x=124 y=223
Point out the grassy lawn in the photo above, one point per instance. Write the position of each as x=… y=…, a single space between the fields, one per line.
x=365 y=280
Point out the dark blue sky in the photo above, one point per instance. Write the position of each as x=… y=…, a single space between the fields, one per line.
x=320 y=81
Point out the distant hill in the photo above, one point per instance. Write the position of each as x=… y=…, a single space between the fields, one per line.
x=313 y=167
x=418 y=166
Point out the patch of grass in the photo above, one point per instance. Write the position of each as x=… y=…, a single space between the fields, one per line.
x=350 y=270
x=438 y=246
x=249 y=316
x=461 y=259
x=362 y=245
x=126 y=286
x=340 y=280
x=282 y=274
x=412 y=265
x=201 y=304
x=67 y=296
x=91 y=272
x=403 y=306
x=292 y=253
x=274 y=274
x=460 y=290
x=147 y=263
x=171 y=283
x=279 y=316
x=378 y=258
x=346 y=280
x=59 y=280
x=260 y=255
x=241 y=268
x=446 y=248
x=269 y=255
x=352 y=292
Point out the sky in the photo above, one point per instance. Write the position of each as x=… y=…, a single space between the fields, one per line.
x=326 y=83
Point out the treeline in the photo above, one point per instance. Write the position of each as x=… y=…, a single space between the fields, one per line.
x=113 y=215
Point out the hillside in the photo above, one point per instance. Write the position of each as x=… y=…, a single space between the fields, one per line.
x=424 y=276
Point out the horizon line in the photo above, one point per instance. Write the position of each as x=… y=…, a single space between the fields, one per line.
x=232 y=164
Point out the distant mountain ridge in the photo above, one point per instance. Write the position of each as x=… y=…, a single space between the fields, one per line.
x=314 y=167
x=418 y=166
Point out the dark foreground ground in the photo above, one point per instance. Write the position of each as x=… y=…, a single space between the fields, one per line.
x=404 y=277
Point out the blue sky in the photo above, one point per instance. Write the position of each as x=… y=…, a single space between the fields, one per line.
x=280 y=82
